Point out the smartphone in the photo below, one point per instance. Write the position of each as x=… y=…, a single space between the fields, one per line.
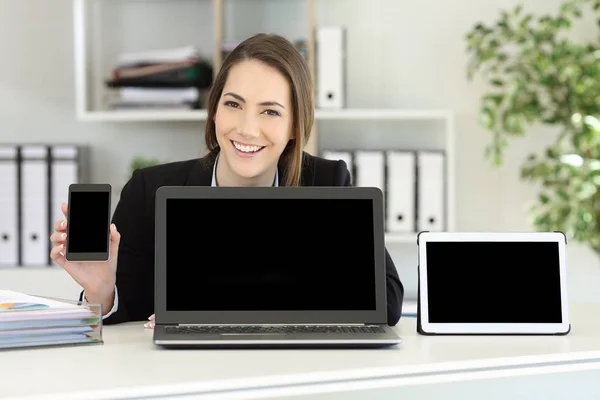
x=88 y=222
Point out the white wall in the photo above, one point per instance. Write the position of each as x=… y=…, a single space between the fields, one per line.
x=401 y=54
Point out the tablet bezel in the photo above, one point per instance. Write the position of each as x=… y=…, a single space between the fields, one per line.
x=491 y=328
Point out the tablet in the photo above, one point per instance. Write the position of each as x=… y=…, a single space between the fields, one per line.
x=492 y=283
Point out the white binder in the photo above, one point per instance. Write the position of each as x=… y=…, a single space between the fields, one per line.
x=35 y=233
x=330 y=66
x=64 y=171
x=431 y=193
x=9 y=207
x=345 y=156
x=401 y=196
x=370 y=169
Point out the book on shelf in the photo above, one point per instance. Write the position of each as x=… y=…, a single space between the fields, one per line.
x=34 y=321
x=159 y=56
x=163 y=78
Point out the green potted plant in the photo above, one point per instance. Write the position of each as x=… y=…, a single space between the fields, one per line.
x=538 y=76
x=139 y=162
x=142 y=162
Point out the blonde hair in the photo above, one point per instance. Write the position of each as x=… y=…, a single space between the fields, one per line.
x=280 y=54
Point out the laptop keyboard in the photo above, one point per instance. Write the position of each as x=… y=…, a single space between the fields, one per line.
x=218 y=329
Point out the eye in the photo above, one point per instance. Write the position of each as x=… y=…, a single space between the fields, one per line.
x=230 y=103
x=272 y=112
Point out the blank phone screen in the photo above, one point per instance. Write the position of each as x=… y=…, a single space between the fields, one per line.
x=89 y=222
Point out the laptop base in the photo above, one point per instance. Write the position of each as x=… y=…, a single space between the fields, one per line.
x=278 y=340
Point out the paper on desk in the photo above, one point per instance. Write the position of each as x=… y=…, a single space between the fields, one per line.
x=45 y=331
x=46 y=314
x=32 y=321
x=10 y=301
x=49 y=342
x=33 y=340
x=47 y=323
x=20 y=311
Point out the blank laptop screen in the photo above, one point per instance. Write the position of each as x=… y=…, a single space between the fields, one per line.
x=270 y=254
x=493 y=282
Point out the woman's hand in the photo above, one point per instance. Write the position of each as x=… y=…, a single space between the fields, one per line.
x=96 y=278
x=150 y=324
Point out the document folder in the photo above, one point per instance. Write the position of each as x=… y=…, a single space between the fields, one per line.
x=431 y=191
x=370 y=169
x=32 y=321
x=35 y=232
x=330 y=67
x=64 y=171
x=9 y=206
x=401 y=186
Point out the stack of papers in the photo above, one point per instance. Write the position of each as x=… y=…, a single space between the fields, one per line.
x=30 y=321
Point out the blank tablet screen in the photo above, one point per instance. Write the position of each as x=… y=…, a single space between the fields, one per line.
x=493 y=282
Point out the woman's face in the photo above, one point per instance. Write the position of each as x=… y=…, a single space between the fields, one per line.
x=253 y=121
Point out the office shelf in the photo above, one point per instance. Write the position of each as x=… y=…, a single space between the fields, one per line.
x=391 y=238
x=143 y=115
x=320 y=115
x=381 y=114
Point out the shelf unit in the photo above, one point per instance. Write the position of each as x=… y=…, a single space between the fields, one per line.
x=396 y=238
x=88 y=42
x=91 y=67
x=320 y=115
x=94 y=55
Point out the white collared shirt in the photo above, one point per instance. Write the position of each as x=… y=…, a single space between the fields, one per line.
x=214 y=175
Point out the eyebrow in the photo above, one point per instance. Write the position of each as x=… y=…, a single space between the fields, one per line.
x=264 y=103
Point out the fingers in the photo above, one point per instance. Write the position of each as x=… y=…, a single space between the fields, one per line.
x=150 y=324
x=115 y=236
x=115 y=239
x=60 y=226
x=58 y=238
x=58 y=254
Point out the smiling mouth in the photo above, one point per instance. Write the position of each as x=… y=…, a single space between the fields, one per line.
x=248 y=149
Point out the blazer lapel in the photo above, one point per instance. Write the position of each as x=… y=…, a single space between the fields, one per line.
x=201 y=171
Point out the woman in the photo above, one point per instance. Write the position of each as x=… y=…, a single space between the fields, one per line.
x=260 y=116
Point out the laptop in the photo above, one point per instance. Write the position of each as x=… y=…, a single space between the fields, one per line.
x=270 y=267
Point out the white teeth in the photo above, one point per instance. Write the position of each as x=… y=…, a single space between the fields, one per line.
x=245 y=148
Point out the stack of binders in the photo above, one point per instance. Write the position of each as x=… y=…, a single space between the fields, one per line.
x=413 y=183
x=35 y=182
x=31 y=321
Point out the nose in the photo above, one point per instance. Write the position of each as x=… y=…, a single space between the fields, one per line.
x=250 y=127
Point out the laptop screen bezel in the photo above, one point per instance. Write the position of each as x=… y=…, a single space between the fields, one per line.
x=164 y=316
x=424 y=238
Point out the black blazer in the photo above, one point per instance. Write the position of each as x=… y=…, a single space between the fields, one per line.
x=134 y=218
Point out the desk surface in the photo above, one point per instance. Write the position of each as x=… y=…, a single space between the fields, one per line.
x=129 y=365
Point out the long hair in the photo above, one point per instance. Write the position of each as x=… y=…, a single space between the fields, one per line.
x=280 y=54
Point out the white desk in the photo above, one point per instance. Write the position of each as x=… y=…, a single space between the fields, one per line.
x=128 y=366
